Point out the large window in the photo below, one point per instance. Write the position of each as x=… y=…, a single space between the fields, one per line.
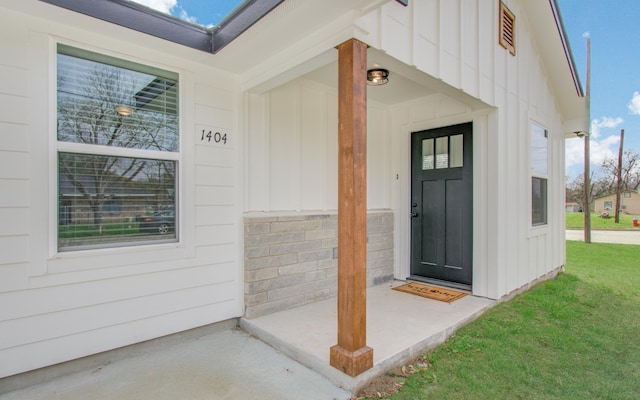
x=539 y=174
x=117 y=151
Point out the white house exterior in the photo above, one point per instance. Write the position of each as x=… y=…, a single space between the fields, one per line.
x=255 y=229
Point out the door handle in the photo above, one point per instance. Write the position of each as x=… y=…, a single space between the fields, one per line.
x=414 y=214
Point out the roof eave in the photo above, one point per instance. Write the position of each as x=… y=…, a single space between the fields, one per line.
x=567 y=47
x=143 y=19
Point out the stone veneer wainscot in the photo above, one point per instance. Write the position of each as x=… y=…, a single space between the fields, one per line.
x=292 y=260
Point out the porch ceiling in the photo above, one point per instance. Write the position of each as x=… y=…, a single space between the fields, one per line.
x=406 y=82
x=398 y=90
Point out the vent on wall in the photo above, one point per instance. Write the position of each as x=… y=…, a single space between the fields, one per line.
x=507 y=29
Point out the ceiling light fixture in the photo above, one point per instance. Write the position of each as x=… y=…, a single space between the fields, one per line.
x=377 y=76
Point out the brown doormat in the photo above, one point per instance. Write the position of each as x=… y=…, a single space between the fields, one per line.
x=431 y=292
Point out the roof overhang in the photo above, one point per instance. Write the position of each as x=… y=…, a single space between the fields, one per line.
x=553 y=46
x=143 y=19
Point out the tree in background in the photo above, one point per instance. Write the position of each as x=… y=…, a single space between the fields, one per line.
x=630 y=173
x=603 y=182
x=87 y=114
x=575 y=189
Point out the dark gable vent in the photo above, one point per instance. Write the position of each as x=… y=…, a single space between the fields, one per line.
x=507 y=29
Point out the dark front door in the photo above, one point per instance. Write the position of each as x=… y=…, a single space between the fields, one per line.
x=442 y=205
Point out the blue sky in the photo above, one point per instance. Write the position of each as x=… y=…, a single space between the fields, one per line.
x=614 y=28
x=201 y=12
x=615 y=79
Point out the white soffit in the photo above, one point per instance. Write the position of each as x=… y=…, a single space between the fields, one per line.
x=287 y=25
x=549 y=36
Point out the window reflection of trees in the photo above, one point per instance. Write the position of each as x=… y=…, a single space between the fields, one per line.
x=112 y=107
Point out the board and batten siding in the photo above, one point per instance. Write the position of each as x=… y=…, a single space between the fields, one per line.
x=292 y=150
x=56 y=307
x=456 y=41
x=291 y=165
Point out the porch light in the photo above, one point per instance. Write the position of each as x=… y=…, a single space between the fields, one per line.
x=124 y=110
x=377 y=76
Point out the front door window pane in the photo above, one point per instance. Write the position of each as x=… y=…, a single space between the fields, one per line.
x=455 y=153
x=442 y=152
x=427 y=154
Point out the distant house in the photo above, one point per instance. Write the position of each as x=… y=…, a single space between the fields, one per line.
x=573 y=207
x=260 y=133
x=629 y=203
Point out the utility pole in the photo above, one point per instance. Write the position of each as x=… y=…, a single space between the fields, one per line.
x=587 y=150
x=619 y=178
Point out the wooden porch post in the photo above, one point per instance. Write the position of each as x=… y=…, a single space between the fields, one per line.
x=351 y=355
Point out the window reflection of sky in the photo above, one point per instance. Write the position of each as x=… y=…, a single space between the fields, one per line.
x=539 y=164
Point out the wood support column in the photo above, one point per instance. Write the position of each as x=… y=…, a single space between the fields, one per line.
x=351 y=355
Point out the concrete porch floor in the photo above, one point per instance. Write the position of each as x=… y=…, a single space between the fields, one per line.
x=399 y=327
x=219 y=362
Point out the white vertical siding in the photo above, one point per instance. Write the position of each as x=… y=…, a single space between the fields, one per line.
x=302 y=150
x=56 y=307
x=482 y=224
x=470 y=43
x=313 y=147
x=426 y=36
x=284 y=148
x=396 y=32
x=450 y=43
x=487 y=28
x=457 y=42
x=257 y=152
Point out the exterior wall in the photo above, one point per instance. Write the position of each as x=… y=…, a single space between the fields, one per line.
x=629 y=205
x=56 y=307
x=292 y=150
x=292 y=182
x=458 y=44
x=291 y=260
x=294 y=123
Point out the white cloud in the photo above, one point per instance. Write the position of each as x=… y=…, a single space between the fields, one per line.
x=599 y=147
x=634 y=104
x=164 y=6
x=186 y=17
x=605 y=122
x=574 y=152
x=170 y=7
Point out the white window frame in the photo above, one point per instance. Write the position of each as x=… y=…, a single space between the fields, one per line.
x=158 y=250
x=540 y=173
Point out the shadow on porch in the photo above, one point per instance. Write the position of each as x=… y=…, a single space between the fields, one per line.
x=399 y=327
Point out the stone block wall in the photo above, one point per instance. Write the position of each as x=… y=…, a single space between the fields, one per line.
x=292 y=260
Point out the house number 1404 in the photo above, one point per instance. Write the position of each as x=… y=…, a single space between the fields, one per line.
x=217 y=137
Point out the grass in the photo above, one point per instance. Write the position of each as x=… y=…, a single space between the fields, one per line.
x=573 y=337
x=576 y=221
x=90 y=230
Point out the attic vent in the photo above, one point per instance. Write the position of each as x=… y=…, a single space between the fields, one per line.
x=507 y=29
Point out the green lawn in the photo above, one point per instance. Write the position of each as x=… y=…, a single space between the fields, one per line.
x=573 y=337
x=90 y=230
x=576 y=221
